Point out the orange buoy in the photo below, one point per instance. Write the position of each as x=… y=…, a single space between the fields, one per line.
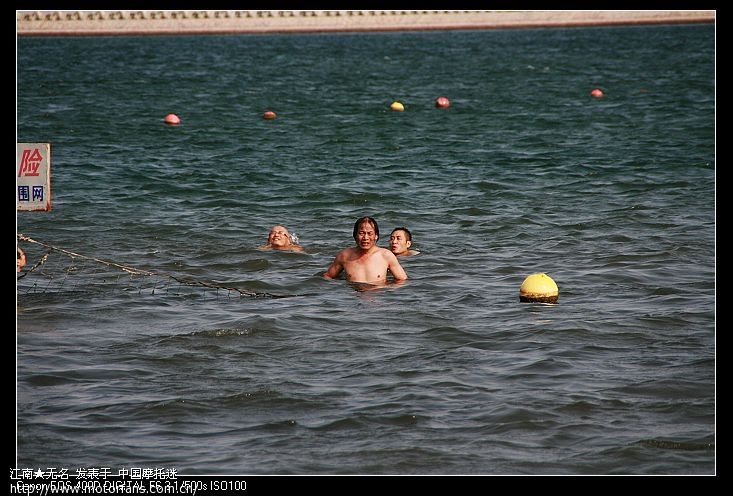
x=269 y=115
x=172 y=119
x=596 y=93
x=442 y=102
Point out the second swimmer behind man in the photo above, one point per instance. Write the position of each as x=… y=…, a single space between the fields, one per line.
x=400 y=242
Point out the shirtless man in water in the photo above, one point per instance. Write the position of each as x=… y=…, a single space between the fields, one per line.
x=280 y=239
x=366 y=262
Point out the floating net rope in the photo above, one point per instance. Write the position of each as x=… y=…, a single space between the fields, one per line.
x=59 y=270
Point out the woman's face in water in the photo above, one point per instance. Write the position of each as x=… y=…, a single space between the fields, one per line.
x=279 y=237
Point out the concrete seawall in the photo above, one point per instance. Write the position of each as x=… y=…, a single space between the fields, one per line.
x=166 y=22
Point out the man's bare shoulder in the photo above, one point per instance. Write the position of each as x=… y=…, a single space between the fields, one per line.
x=384 y=252
x=346 y=254
x=297 y=248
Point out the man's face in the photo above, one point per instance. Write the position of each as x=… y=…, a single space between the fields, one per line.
x=398 y=242
x=366 y=237
x=279 y=237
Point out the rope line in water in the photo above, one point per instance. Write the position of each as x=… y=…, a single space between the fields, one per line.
x=38 y=264
x=134 y=271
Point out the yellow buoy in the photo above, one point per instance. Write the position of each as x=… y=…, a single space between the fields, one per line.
x=397 y=107
x=538 y=288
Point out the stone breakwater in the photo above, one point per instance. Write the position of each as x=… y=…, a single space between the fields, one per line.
x=149 y=22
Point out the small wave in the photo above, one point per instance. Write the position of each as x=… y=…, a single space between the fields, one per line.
x=218 y=333
x=340 y=425
x=677 y=445
x=405 y=420
x=257 y=264
x=50 y=380
x=451 y=335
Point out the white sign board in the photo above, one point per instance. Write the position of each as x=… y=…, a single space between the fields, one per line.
x=33 y=181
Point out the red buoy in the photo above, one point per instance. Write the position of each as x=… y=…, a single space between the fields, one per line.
x=172 y=119
x=596 y=93
x=269 y=115
x=442 y=102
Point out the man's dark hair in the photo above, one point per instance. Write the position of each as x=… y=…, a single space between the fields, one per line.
x=362 y=220
x=408 y=234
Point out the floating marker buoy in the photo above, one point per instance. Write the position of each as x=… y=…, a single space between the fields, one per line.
x=596 y=93
x=397 y=107
x=172 y=119
x=538 y=288
x=269 y=115
x=442 y=102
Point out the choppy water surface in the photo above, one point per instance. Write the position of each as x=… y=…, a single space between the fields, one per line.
x=449 y=373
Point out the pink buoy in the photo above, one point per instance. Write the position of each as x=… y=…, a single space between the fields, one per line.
x=596 y=93
x=442 y=102
x=269 y=115
x=172 y=119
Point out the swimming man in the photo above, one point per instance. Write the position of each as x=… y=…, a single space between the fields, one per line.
x=366 y=262
x=400 y=242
